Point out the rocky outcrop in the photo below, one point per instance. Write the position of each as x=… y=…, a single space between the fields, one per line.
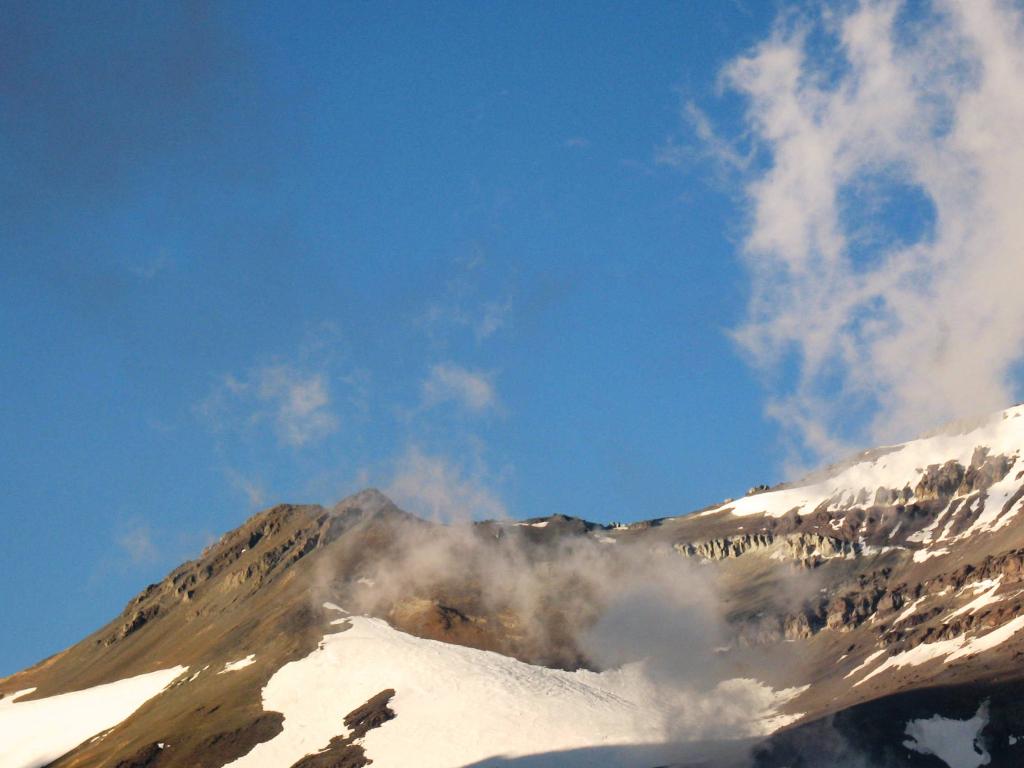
x=343 y=751
x=807 y=549
x=953 y=479
x=770 y=628
x=250 y=556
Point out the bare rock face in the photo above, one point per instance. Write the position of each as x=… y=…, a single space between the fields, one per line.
x=806 y=549
x=952 y=479
x=940 y=482
x=798 y=627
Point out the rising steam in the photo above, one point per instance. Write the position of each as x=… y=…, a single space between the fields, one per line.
x=565 y=600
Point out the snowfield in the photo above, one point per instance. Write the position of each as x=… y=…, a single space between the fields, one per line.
x=35 y=733
x=455 y=705
x=903 y=465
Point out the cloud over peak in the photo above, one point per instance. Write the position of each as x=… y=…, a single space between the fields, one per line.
x=442 y=490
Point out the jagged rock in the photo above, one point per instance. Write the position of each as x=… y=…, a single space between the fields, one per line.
x=808 y=549
x=891 y=601
x=885 y=496
x=939 y=482
x=984 y=471
x=797 y=627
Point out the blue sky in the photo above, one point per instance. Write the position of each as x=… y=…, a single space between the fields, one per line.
x=489 y=257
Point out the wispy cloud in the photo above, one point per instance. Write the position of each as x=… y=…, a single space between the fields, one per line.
x=440 y=489
x=447 y=382
x=465 y=306
x=149 y=269
x=885 y=239
x=137 y=543
x=296 y=402
x=251 y=488
x=300 y=404
x=492 y=317
x=710 y=142
x=576 y=142
x=482 y=319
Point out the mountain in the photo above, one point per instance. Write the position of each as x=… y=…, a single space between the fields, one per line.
x=869 y=615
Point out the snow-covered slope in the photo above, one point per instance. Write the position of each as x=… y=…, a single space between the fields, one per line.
x=869 y=588
x=897 y=467
x=35 y=733
x=470 y=705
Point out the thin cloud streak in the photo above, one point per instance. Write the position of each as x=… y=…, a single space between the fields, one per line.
x=252 y=489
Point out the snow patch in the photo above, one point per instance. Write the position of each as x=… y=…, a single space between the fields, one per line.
x=233 y=666
x=197 y=673
x=924 y=554
x=35 y=733
x=909 y=610
x=13 y=698
x=986 y=595
x=955 y=742
x=864 y=664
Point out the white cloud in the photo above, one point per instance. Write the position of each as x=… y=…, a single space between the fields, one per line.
x=448 y=382
x=895 y=120
x=296 y=402
x=300 y=404
x=438 y=489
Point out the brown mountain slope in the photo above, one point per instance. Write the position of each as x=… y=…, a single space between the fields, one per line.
x=888 y=589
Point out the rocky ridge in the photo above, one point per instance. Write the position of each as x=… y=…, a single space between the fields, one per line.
x=907 y=561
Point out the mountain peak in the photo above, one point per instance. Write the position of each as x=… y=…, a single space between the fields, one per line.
x=888 y=577
x=369 y=500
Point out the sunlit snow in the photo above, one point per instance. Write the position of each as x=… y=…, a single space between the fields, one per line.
x=469 y=705
x=233 y=666
x=951 y=650
x=35 y=733
x=904 y=464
